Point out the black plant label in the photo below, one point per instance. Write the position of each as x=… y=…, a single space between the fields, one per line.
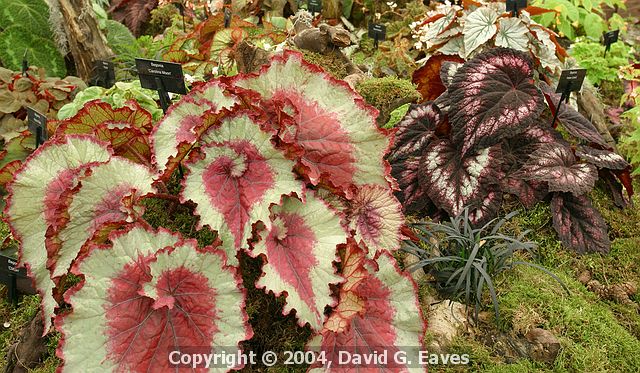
x=609 y=38
x=571 y=80
x=377 y=31
x=314 y=6
x=513 y=6
x=104 y=74
x=37 y=124
x=160 y=75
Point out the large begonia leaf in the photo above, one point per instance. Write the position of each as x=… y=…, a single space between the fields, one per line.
x=336 y=131
x=493 y=97
x=428 y=78
x=300 y=248
x=239 y=176
x=108 y=196
x=479 y=27
x=579 y=225
x=376 y=217
x=453 y=181
x=125 y=128
x=34 y=188
x=512 y=33
x=556 y=164
x=378 y=310
x=574 y=122
x=181 y=127
x=146 y=295
x=482 y=212
x=602 y=158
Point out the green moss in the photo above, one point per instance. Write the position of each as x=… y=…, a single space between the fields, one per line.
x=330 y=63
x=384 y=93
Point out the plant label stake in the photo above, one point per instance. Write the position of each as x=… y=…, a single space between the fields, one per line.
x=163 y=77
x=314 y=6
x=15 y=279
x=377 y=32
x=104 y=74
x=25 y=64
x=514 y=6
x=180 y=7
x=227 y=14
x=37 y=124
x=609 y=38
x=570 y=81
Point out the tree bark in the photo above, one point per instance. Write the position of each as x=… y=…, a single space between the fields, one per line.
x=87 y=44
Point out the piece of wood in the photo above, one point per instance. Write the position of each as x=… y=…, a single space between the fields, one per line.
x=86 y=41
x=27 y=353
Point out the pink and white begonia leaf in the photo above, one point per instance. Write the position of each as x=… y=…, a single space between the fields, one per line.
x=300 y=247
x=376 y=217
x=602 y=158
x=336 y=131
x=579 y=225
x=146 y=295
x=35 y=188
x=107 y=196
x=239 y=175
x=181 y=124
x=378 y=312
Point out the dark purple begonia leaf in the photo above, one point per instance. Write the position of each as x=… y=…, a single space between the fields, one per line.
x=493 y=97
x=415 y=130
x=579 y=225
x=529 y=192
x=615 y=188
x=556 y=164
x=411 y=194
x=576 y=124
x=452 y=181
x=602 y=158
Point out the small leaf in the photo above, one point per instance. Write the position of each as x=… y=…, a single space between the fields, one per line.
x=579 y=225
x=602 y=158
x=556 y=164
x=479 y=27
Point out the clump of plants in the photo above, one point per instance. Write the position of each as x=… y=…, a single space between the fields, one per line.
x=490 y=134
x=630 y=140
x=573 y=18
x=456 y=34
x=280 y=170
x=464 y=260
x=118 y=96
x=590 y=55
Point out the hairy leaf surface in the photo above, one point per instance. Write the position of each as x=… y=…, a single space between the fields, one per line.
x=493 y=97
x=579 y=225
x=300 y=248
